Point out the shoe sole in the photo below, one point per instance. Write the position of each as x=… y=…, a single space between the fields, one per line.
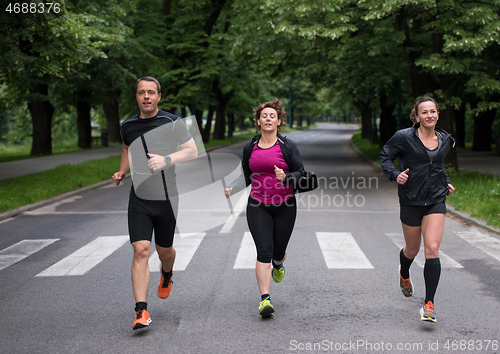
x=267 y=311
x=141 y=325
x=427 y=319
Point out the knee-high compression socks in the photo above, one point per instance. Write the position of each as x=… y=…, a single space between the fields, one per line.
x=405 y=264
x=432 y=272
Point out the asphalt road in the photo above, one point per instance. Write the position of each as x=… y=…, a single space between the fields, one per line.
x=65 y=273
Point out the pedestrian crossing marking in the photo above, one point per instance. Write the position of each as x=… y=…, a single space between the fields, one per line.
x=238 y=209
x=488 y=244
x=341 y=251
x=21 y=250
x=247 y=254
x=185 y=245
x=86 y=258
x=446 y=261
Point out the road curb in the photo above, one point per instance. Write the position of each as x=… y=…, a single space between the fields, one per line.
x=464 y=217
x=29 y=207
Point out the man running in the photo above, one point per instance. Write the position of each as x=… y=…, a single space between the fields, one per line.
x=153 y=202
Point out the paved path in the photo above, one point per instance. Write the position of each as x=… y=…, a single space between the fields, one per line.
x=38 y=164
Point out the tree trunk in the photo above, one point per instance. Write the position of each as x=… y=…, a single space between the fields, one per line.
x=41 y=115
x=388 y=124
x=482 y=130
x=111 y=111
x=366 y=120
x=83 y=119
x=460 y=126
x=230 y=125
x=208 y=124
x=220 y=121
x=241 y=123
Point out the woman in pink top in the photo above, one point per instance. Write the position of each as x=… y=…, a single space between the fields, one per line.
x=272 y=165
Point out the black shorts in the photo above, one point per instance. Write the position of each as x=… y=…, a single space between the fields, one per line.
x=144 y=216
x=412 y=215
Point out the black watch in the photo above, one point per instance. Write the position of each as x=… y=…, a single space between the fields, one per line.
x=168 y=160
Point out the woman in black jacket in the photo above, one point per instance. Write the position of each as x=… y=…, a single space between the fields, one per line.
x=423 y=187
x=272 y=166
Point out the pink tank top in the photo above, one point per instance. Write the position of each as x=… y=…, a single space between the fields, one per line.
x=266 y=188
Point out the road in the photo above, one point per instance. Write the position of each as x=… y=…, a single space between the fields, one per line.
x=65 y=274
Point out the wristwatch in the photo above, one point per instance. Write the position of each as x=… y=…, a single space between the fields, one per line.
x=168 y=160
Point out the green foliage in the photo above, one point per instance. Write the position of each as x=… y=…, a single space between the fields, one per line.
x=477 y=194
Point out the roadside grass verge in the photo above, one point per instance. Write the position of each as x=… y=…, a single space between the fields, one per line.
x=14 y=152
x=32 y=188
x=477 y=194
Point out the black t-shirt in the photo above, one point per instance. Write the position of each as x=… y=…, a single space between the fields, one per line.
x=161 y=134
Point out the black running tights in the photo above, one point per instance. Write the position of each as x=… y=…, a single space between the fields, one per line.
x=271 y=227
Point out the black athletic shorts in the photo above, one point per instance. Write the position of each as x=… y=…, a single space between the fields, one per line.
x=144 y=216
x=412 y=215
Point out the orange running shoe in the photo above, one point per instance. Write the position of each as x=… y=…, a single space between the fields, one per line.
x=427 y=312
x=165 y=285
x=142 y=319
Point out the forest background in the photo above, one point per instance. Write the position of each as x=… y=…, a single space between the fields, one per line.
x=350 y=60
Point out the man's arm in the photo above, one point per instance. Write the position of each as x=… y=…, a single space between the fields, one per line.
x=124 y=166
x=188 y=152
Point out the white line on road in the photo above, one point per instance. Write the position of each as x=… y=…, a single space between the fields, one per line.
x=341 y=251
x=247 y=254
x=238 y=209
x=446 y=261
x=487 y=244
x=21 y=250
x=185 y=245
x=86 y=258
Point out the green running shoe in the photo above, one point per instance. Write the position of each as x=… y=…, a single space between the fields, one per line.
x=278 y=273
x=266 y=309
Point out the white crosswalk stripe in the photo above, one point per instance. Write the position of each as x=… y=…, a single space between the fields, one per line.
x=488 y=244
x=185 y=245
x=446 y=261
x=247 y=254
x=86 y=258
x=341 y=251
x=21 y=250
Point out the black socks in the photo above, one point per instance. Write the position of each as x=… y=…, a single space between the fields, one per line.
x=264 y=296
x=405 y=265
x=141 y=306
x=432 y=272
x=166 y=275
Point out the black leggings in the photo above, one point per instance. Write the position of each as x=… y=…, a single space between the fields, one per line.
x=271 y=227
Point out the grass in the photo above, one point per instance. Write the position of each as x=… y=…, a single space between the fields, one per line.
x=29 y=189
x=364 y=145
x=14 y=152
x=32 y=188
x=475 y=193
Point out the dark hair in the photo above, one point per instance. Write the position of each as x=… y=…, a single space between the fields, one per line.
x=148 y=78
x=277 y=105
x=414 y=111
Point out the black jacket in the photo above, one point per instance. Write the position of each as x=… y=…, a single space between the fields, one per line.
x=427 y=182
x=290 y=154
